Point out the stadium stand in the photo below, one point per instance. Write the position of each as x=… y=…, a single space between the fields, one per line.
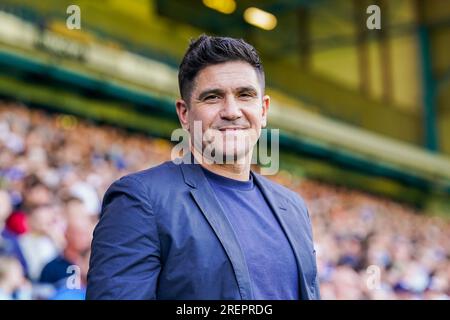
x=55 y=168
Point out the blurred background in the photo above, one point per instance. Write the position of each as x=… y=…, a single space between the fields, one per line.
x=364 y=119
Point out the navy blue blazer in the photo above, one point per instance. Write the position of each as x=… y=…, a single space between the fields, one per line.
x=162 y=235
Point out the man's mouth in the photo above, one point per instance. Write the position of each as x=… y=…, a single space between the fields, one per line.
x=225 y=129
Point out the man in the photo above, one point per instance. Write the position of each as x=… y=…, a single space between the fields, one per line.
x=78 y=236
x=211 y=229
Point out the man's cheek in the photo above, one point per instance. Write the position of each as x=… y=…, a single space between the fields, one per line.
x=211 y=135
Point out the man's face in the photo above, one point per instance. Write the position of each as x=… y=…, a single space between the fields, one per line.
x=228 y=100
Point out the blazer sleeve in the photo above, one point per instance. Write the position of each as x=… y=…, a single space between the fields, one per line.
x=125 y=256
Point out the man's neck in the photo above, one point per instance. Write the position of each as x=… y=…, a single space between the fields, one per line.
x=239 y=170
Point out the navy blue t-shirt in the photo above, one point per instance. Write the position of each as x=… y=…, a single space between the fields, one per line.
x=270 y=259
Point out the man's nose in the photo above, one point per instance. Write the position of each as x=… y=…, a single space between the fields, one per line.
x=231 y=110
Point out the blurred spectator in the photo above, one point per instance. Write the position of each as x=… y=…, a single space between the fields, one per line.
x=76 y=252
x=68 y=272
x=37 y=244
x=13 y=284
x=9 y=244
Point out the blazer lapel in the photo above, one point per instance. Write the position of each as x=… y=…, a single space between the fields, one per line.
x=207 y=202
x=289 y=223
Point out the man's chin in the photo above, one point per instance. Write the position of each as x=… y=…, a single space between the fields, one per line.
x=229 y=157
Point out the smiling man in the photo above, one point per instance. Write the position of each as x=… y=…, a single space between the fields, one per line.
x=208 y=227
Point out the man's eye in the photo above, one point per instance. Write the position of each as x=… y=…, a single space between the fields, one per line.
x=211 y=98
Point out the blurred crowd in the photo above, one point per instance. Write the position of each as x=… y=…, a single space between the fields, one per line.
x=54 y=170
x=368 y=247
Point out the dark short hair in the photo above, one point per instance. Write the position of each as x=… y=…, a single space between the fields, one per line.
x=208 y=50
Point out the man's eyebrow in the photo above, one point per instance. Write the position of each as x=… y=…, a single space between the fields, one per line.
x=246 y=89
x=207 y=92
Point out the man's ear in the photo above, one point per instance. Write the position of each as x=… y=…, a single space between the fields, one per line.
x=265 y=110
x=182 y=112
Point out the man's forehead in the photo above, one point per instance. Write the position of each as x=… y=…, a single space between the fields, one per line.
x=229 y=75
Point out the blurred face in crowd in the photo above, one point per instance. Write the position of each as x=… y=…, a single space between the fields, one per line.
x=39 y=195
x=79 y=233
x=228 y=100
x=42 y=219
x=5 y=207
x=76 y=208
